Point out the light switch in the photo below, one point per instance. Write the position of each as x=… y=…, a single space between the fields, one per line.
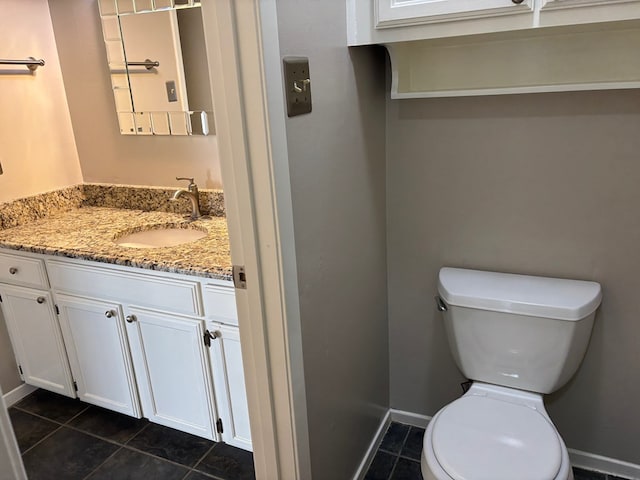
x=297 y=82
x=172 y=94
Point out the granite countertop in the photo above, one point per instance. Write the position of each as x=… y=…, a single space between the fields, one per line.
x=89 y=232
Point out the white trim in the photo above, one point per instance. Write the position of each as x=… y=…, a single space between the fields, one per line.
x=9 y=447
x=409 y=418
x=373 y=447
x=574 y=87
x=17 y=394
x=598 y=463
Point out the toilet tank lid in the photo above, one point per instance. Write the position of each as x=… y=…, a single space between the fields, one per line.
x=555 y=298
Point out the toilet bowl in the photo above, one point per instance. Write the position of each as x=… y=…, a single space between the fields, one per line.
x=516 y=337
x=494 y=433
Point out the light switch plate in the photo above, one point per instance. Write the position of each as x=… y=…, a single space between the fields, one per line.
x=172 y=94
x=297 y=82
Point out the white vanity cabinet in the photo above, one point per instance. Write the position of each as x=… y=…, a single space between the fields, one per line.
x=144 y=343
x=173 y=372
x=96 y=342
x=35 y=335
x=31 y=319
x=228 y=377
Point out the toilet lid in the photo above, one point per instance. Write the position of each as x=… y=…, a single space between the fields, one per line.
x=478 y=437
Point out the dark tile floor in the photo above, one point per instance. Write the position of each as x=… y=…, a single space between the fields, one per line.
x=62 y=438
x=398 y=457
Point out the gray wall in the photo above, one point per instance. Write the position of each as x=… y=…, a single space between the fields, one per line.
x=336 y=157
x=543 y=184
x=105 y=155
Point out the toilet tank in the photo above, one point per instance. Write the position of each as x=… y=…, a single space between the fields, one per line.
x=519 y=331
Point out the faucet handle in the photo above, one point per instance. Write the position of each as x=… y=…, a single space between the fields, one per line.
x=192 y=184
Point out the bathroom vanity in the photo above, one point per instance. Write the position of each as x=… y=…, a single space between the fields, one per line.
x=148 y=332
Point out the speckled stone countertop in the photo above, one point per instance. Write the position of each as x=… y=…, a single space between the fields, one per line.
x=88 y=233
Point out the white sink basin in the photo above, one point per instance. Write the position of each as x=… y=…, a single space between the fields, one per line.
x=160 y=237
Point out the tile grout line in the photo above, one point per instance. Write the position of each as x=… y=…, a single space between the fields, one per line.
x=77 y=415
x=105 y=461
x=39 y=416
x=137 y=433
x=193 y=469
x=129 y=447
x=393 y=469
x=40 y=441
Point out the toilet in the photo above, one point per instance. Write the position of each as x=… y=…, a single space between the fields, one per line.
x=517 y=337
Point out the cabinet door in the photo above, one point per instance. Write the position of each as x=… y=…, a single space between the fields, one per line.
x=394 y=13
x=572 y=12
x=228 y=378
x=96 y=341
x=172 y=370
x=35 y=335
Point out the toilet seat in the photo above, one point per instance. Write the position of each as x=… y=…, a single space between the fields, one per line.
x=482 y=437
x=494 y=433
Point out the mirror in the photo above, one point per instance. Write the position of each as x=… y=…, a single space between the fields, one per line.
x=158 y=64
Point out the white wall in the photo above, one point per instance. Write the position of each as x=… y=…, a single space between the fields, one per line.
x=37 y=147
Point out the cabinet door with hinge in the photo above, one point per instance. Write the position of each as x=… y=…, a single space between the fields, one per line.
x=228 y=378
x=96 y=341
x=35 y=335
x=174 y=378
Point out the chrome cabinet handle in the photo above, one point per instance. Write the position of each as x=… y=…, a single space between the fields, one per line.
x=13 y=270
x=40 y=300
x=517 y=2
x=130 y=318
x=108 y=313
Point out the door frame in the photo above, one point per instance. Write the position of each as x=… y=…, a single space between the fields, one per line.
x=249 y=111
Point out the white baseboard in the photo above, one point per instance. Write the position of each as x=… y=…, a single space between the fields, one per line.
x=413 y=419
x=585 y=460
x=373 y=447
x=598 y=463
x=17 y=394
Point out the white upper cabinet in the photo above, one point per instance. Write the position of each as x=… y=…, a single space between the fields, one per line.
x=450 y=48
x=576 y=12
x=392 y=21
x=410 y=12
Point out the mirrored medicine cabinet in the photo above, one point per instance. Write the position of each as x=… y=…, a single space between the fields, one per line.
x=158 y=65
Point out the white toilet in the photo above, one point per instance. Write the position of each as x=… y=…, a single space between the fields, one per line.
x=517 y=337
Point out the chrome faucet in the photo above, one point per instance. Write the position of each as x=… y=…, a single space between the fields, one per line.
x=192 y=194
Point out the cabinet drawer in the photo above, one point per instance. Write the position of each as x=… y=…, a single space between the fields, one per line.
x=220 y=303
x=140 y=289
x=23 y=271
